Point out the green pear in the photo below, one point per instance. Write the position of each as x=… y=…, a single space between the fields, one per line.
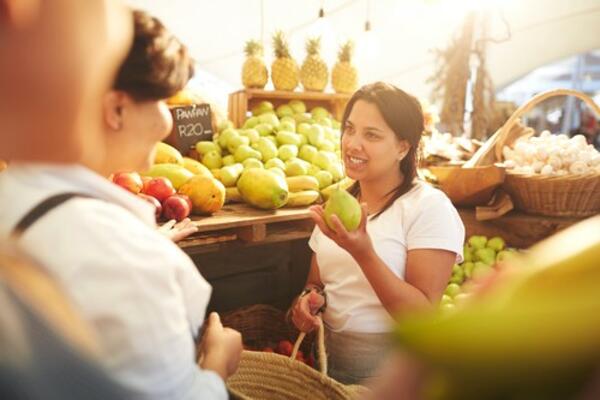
x=313 y=169
x=316 y=134
x=288 y=151
x=496 y=243
x=477 y=242
x=251 y=122
x=205 y=146
x=252 y=163
x=324 y=177
x=324 y=121
x=298 y=106
x=322 y=160
x=505 y=255
x=251 y=134
x=336 y=124
x=224 y=137
x=272 y=139
x=284 y=110
x=307 y=152
x=266 y=148
x=468 y=253
x=286 y=137
x=212 y=160
x=236 y=141
x=326 y=145
x=303 y=129
x=286 y=126
x=230 y=174
x=225 y=124
x=244 y=151
x=295 y=167
x=446 y=300
x=262 y=107
x=468 y=268
x=336 y=170
x=269 y=118
x=278 y=171
x=481 y=270
x=290 y=120
x=452 y=290
x=345 y=207
x=485 y=255
x=303 y=117
x=320 y=112
x=275 y=163
x=264 y=129
x=228 y=160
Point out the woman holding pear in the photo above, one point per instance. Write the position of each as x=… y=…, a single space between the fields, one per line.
x=395 y=254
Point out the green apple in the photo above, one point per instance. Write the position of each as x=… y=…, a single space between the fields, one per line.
x=262 y=107
x=205 y=146
x=468 y=268
x=275 y=163
x=295 y=167
x=324 y=177
x=286 y=126
x=284 y=110
x=288 y=151
x=236 y=141
x=286 y=137
x=496 y=243
x=278 y=171
x=230 y=174
x=307 y=152
x=481 y=270
x=228 y=160
x=212 y=160
x=298 y=106
x=226 y=124
x=252 y=163
x=485 y=255
x=303 y=129
x=266 y=148
x=244 y=152
x=270 y=119
x=224 y=137
x=316 y=134
x=477 y=241
x=319 y=112
x=452 y=289
x=251 y=122
x=467 y=253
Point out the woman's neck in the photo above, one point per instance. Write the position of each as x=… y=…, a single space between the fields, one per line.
x=378 y=191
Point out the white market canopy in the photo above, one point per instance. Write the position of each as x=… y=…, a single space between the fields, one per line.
x=404 y=32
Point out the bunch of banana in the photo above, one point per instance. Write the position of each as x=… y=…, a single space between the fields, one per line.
x=344 y=183
x=304 y=190
x=535 y=334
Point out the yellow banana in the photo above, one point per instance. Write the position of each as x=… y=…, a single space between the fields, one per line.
x=302 y=198
x=196 y=167
x=345 y=183
x=302 y=182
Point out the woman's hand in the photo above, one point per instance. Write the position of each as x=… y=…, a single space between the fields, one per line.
x=304 y=311
x=177 y=231
x=357 y=242
x=221 y=348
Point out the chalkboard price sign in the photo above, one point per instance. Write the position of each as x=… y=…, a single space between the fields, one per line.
x=191 y=124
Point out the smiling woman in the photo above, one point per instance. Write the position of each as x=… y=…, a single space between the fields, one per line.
x=400 y=257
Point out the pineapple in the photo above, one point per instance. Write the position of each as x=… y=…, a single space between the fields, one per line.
x=344 y=77
x=254 y=71
x=284 y=70
x=314 y=74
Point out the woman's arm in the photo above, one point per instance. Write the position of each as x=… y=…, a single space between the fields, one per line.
x=305 y=307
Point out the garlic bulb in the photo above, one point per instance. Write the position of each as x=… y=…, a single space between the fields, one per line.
x=578 y=167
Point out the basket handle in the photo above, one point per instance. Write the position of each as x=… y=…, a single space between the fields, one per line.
x=534 y=101
x=320 y=346
x=497 y=140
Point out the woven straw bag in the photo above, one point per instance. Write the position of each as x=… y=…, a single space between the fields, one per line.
x=271 y=376
x=567 y=195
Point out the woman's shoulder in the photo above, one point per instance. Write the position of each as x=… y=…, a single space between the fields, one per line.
x=423 y=195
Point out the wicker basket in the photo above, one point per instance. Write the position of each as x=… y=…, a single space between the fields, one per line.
x=567 y=195
x=270 y=376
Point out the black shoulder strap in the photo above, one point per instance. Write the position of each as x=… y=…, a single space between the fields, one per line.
x=42 y=209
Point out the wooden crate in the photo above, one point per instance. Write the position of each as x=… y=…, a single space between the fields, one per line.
x=242 y=101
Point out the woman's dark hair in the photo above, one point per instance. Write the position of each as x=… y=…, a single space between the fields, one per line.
x=158 y=64
x=404 y=115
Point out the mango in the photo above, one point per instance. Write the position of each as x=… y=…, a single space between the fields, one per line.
x=207 y=194
x=195 y=167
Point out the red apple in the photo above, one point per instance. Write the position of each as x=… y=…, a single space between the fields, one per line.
x=176 y=207
x=285 y=347
x=145 y=180
x=131 y=181
x=154 y=202
x=187 y=198
x=160 y=188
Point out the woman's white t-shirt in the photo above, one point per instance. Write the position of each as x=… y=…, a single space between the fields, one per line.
x=423 y=218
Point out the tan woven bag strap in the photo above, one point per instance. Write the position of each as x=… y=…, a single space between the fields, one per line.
x=321 y=354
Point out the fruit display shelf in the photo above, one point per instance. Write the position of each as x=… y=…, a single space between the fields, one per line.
x=242 y=225
x=242 y=101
